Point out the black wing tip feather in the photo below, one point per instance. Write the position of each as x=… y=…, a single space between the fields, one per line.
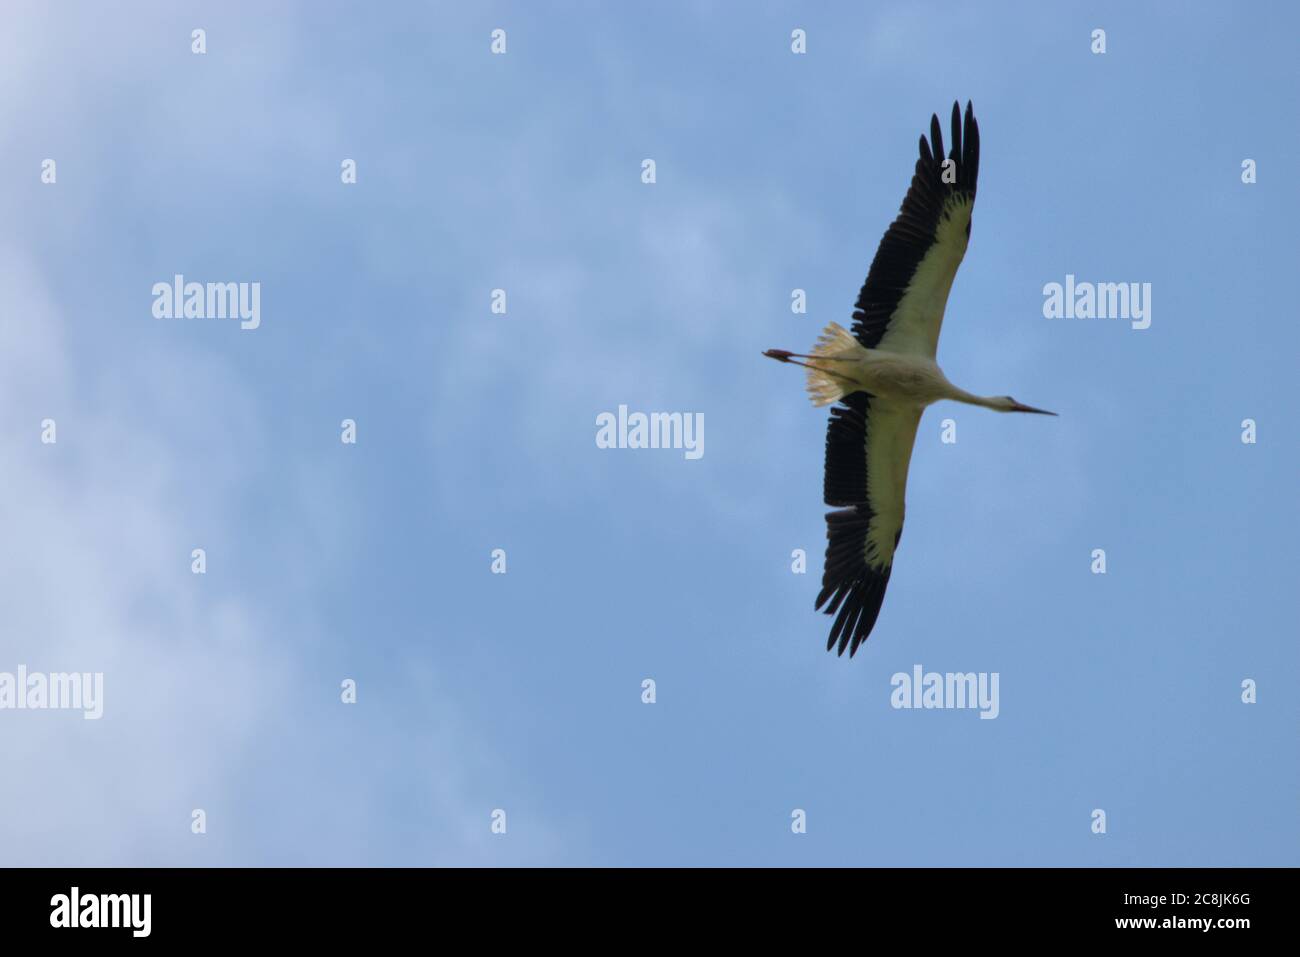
x=858 y=603
x=970 y=156
x=964 y=151
x=855 y=590
x=936 y=138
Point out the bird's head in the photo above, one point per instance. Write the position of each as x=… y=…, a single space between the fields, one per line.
x=1007 y=404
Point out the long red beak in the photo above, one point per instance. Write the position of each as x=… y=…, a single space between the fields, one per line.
x=1029 y=408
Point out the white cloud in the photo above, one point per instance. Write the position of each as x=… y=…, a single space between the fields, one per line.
x=94 y=577
x=161 y=445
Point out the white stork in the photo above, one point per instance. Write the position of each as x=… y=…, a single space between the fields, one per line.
x=884 y=374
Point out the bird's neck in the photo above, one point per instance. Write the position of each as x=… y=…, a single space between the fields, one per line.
x=994 y=402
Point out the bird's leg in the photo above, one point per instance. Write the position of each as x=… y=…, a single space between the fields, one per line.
x=781 y=355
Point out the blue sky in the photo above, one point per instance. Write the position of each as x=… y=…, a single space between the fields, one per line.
x=476 y=431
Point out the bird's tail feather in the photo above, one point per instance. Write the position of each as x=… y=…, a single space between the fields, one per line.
x=828 y=380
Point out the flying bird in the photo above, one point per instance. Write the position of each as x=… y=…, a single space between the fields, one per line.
x=884 y=374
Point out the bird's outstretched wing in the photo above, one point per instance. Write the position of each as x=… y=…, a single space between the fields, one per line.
x=868 y=450
x=900 y=307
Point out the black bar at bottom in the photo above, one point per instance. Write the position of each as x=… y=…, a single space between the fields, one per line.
x=374 y=905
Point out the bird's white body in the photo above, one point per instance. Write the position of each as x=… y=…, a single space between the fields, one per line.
x=845 y=366
x=911 y=380
x=904 y=379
